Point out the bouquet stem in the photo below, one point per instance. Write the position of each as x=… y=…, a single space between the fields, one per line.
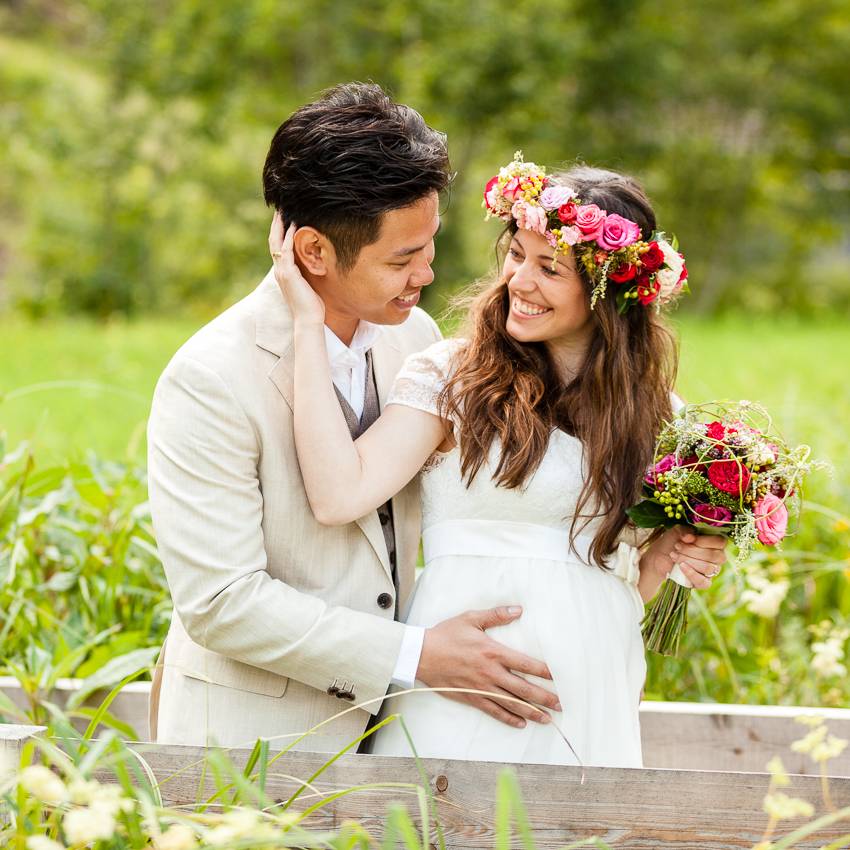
x=667 y=619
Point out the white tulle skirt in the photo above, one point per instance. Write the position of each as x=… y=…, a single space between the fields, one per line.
x=583 y=622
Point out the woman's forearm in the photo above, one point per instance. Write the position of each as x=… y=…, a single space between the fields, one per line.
x=330 y=463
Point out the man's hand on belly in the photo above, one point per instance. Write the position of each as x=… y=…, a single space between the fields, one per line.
x=458 y=653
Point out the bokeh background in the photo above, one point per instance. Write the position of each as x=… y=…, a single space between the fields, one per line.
x=132 y=137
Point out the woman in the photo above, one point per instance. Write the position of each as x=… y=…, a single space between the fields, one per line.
x=532 y=434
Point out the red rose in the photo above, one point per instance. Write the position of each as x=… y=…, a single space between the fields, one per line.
x=715 y=431
x=490 y=184
x=567 y=212
x=653 y=258
x=684 y=274
x=729 y=476
x=647 y=288
x=624 y=272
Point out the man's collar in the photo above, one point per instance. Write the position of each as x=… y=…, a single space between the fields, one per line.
x=364 y=338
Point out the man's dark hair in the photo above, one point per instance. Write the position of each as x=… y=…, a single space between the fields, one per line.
x=338 y=164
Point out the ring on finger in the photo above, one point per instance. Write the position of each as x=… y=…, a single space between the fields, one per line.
x=276 y=255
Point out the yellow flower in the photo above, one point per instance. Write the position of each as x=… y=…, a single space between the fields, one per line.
x=777 y=771
x=781 y=806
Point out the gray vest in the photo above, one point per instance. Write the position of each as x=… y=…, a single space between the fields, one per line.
x=371 y=411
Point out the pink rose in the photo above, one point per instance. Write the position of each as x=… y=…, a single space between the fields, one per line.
x=715 y=515
x=530 y=217
x=771 y=519
x=590 y=220
x=571 y=235
x=488 y=189
x=664 y=465
x=512 y=189
x=555 y=196
x=618 y=232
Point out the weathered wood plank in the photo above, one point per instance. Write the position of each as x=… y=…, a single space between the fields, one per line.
x=13 y=737
x=710 y=736
x=632 y=809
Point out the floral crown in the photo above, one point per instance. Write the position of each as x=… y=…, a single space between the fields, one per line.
x=609 y=246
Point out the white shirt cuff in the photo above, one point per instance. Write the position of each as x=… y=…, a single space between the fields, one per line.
x=407 y=663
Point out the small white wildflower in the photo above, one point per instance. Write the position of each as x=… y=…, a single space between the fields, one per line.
x=42 y=842
x=82 y=791
x=777 y=770
x=809 y=741
x=177 y=837
x=87 y=825
x=828 y=655
x=761 y=454
x=43 y=784
x=236 y=824
x=764 y=597
x=810 y=720
x=781 y=806
x=831 y=748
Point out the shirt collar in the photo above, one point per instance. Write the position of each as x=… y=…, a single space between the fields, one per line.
x=364 y=338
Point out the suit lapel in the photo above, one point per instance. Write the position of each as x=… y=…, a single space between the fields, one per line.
x=387 y=359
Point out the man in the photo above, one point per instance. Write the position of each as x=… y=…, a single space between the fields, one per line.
x=280 y=623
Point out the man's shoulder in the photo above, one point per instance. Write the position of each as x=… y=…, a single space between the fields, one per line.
x=226 y=345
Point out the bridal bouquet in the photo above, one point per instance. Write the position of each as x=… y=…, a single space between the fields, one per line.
x=721 y=469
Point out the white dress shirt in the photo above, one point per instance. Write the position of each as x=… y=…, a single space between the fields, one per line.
x=348 y=371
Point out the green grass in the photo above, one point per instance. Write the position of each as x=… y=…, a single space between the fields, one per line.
x=68 y=386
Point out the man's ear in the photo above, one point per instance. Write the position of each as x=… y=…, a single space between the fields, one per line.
x=314 y=251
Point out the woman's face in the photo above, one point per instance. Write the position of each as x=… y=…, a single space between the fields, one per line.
x=546 y=304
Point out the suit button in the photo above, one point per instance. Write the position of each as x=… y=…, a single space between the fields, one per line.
x=333 y=690
x=385 y=519
x=348 y=695
x=385 y=600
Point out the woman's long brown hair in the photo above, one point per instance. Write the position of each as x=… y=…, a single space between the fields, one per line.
x=510 y=391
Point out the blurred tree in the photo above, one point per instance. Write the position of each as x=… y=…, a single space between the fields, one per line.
x=132 y=135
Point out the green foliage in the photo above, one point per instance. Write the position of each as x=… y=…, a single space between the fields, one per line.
x=82 y=591
x=131 y=150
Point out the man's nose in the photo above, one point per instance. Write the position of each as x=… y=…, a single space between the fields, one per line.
x=424 y=274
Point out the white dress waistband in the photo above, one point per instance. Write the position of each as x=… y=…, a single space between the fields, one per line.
x=502 y=539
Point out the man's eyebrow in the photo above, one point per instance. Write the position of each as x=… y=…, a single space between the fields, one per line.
x=406 y=252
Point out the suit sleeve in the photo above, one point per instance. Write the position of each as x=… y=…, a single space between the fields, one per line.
x=207 y=508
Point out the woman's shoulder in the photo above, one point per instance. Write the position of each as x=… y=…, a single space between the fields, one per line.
x=437 y=359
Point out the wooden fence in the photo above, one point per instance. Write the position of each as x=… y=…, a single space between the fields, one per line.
x=631 y=809
x=678 y=735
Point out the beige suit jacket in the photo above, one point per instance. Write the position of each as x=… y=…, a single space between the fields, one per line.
x=276 y=618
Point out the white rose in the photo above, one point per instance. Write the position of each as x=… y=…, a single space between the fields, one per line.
x=84 y=826
x=668 y=279
x=43 y=784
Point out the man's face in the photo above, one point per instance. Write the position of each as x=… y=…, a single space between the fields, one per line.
x=386 y=280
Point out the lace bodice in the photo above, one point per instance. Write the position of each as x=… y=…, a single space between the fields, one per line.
x=549 y=497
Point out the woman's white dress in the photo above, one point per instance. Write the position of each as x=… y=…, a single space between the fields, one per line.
x=487 y=546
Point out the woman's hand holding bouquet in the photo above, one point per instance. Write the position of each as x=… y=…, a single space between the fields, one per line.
x=719 y=469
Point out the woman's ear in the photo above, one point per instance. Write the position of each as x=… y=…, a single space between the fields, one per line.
x=313 y=251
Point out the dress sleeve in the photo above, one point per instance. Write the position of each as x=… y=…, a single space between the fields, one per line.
x=423 y=376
